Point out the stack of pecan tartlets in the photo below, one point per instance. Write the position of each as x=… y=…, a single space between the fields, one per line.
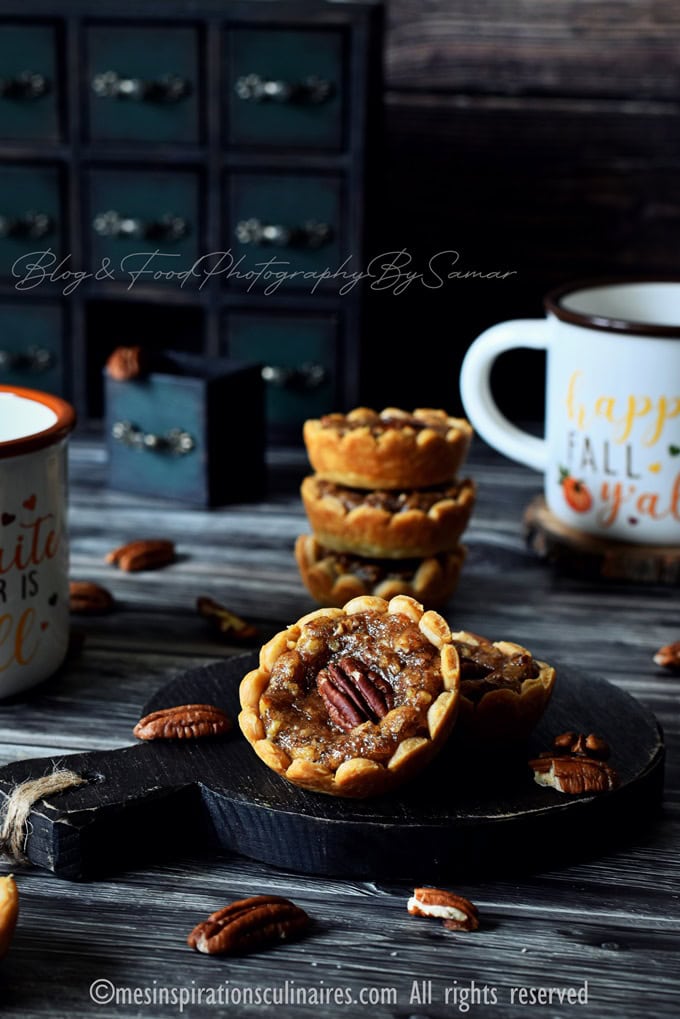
x=385 y=505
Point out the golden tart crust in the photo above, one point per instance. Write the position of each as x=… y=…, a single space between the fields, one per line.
x=390 y=449
x=301 y=727
x=385 y=523
x=504 y=689
x=332 y=578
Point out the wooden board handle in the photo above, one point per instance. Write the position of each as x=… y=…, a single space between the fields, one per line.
x=136 y=802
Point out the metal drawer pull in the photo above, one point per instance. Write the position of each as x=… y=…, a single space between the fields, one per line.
x=29 y=224
x=310 y=375
x=310 y=235
x=176 y=441
x=166 y=228
x=25 y=85
x=33 y=359
x=255 y=89
x=168 y=89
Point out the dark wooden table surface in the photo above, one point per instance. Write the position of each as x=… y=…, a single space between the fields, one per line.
x=611 y=920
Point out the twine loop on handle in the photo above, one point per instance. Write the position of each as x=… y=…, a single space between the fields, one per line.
x=14 y=831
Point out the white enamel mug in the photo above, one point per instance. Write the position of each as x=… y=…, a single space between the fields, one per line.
x=611 y=452
x=34 y=589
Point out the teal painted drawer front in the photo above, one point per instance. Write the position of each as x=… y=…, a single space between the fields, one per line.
x=136 y=213
x=30 y=214
x=143 y=84
x=285 y=87
x=293 y=219
x=31 y=345
x=298 y=354
x=29 y=97
x=178 y=433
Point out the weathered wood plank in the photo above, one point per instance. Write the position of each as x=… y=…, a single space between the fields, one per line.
x=544 y=47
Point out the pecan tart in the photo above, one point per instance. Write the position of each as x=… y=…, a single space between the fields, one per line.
x=353 y=701
x=386 y=523
x=504 y=690
x=335 y=577
x=390 y=449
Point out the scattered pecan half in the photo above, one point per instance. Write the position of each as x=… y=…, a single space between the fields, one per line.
x=89 y=599
x=353 y=693
x=147 y=554
x=668 y=656
x=579 y=744
x=249 y=924
x=126 y=363
x=458 y=913
x=574 y=774
x=185 y=721
x=225 y=621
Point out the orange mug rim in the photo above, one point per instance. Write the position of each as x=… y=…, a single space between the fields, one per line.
x=65 y=423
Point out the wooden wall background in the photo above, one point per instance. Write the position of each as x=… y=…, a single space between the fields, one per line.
x=536 y=135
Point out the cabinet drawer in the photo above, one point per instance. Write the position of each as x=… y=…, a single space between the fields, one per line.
x=299 y=357
x=31 y=346
x=169 y=433
x=29 y=99
x=30 y=214
x=294 y=219
x=285 y=87
x=143 y=84
x=134 y=213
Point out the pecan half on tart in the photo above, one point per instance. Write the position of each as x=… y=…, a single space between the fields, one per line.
x=390 y=449
x=386 y=523
x=504 y=690
x=353 y=701
x=335 y=577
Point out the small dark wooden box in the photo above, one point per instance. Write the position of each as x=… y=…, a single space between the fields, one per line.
x=192 y=431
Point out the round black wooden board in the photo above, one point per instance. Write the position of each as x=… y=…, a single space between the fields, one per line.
x=468 y=810
x=464 y=810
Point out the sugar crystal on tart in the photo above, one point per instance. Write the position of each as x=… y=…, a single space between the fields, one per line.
x=504 y=689
x=388 y=523
x=335 y=577
x=353 y=701
x=393 y=448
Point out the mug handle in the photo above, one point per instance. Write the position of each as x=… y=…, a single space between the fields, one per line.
x=475 y=389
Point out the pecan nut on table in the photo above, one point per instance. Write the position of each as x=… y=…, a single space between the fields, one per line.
x=248 y=925
x=145 y=554
x=184 y=721
x=575 y=765
x=457 y=912
x=668 y=656
x=89 y=599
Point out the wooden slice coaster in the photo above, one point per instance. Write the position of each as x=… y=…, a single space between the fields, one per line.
x=589 y=556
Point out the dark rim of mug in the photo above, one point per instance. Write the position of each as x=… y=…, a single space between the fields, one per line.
x=602 y=322
x=65 y=423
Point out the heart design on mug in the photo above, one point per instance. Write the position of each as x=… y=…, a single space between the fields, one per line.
x=632 y=521
x=674 y=450
x=654 y=468
x=29 y=503
x=52 y=600
x=7 y=518
x=44 y=624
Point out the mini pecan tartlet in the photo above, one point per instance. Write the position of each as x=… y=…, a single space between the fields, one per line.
x=385 y=523
x=390 y=449
x=335 y=577
x=504 y=690
x=353 y=701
